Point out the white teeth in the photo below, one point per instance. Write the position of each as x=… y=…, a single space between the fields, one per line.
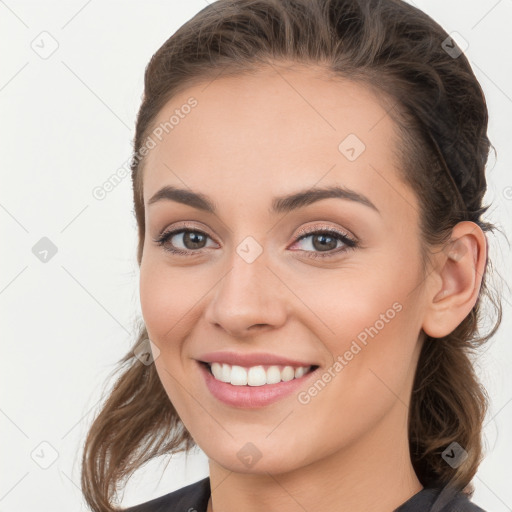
x=273 y=375
x=226 y=373
x=256 y=375
x=238 y=376
x=288 y=373
x=299 y=372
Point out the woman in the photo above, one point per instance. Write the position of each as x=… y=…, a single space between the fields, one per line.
x=308 y=181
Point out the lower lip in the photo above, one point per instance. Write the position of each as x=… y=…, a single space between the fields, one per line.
x=251 y=396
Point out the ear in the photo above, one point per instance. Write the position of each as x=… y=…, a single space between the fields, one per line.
x=454 y=284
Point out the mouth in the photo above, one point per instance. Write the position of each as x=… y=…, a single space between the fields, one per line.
x=259 y=375
x=247 y=387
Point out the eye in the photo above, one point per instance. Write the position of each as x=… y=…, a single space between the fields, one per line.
x=323 y=243
x=326 y=242
x=192 y=239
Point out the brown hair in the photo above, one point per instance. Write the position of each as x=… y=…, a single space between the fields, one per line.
x=441 y=116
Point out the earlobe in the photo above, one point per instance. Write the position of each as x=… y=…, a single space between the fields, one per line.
x=456 y=280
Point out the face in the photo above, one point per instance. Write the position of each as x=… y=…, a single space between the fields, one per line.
x=335 y=282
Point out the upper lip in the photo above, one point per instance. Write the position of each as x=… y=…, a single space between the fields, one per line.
x=254 y=359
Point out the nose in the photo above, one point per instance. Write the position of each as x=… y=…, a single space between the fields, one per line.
x=249 y=298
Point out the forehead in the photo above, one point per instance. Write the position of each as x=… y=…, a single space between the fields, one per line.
x=264 y=132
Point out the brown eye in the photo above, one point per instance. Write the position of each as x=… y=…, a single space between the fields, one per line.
x=324 y=243
x=192 y=241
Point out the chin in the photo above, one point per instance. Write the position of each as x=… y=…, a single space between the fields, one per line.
x=250 y=460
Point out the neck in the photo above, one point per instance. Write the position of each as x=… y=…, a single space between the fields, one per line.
x=371 y=475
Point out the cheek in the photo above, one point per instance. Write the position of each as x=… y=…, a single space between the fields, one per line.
x=357 y=303
x=155 y=298
x=370 y=323
x=167 y=308
x=165 y=297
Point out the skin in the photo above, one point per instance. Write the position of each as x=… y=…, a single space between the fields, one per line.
x=251 y=138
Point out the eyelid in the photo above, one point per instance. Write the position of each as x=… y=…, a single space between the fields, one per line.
x=323 y=227
x=186 y=225
x=348 y=240
x=302 y=231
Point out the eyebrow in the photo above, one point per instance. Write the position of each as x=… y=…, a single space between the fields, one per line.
x=280 y=204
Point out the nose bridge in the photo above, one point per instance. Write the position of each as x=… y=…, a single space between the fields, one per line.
x=248 y=293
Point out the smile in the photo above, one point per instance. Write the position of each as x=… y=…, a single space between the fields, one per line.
x=245 y=387
x=256 y=375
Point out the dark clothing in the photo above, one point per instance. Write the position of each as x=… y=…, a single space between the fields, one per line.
x=194 y=498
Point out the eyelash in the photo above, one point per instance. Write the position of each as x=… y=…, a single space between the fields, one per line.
x=349 y=242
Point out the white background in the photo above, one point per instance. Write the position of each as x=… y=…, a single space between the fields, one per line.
x=67 y=125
